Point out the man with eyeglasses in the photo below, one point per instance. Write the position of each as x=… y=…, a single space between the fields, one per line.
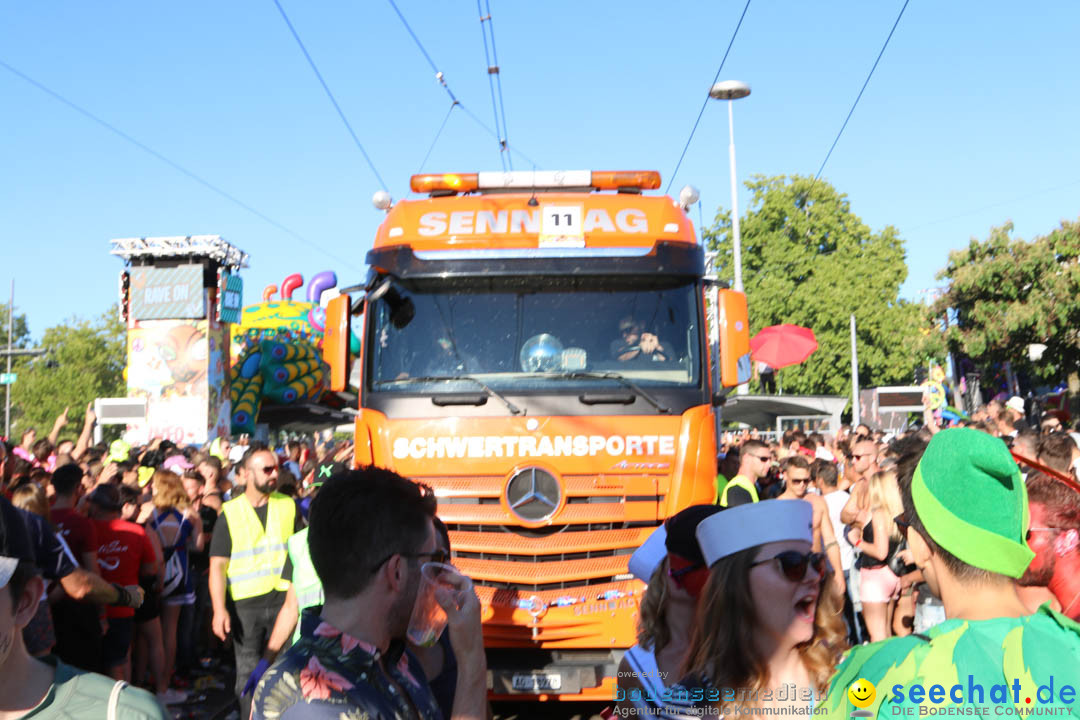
x=1054 y=537
x=755 y=460
x=1050 y=424
x=635 y=343
x=863 y=464
x=965 y=517
x=796 y=475
x=248 y=558
x=371 y=532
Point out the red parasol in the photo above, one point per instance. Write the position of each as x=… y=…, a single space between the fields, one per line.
x=781 y=345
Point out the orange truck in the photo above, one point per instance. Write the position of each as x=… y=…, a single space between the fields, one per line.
x=546 y=351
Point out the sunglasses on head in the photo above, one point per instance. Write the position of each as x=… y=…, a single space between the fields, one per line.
x=794 y=565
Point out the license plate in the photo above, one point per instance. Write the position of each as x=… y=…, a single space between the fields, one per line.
x=536 y=682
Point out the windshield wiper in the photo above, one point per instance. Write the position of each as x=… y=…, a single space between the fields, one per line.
x=611 y=375
x=514 y=409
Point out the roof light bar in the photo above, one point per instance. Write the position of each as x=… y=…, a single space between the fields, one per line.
x=538 y=180
x=441 y=182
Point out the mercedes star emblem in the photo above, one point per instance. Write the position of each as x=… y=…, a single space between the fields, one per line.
x=533 y=494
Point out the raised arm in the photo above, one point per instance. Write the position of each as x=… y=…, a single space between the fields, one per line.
x=58 y=425
x=84 y=437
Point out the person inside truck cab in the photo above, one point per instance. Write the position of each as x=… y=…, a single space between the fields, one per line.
x=635 y=343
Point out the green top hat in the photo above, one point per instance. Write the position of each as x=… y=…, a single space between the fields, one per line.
x=971 y=499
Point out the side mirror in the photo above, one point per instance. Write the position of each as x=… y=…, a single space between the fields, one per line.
x=402 y=309
x=734 y=332
x=336 y=341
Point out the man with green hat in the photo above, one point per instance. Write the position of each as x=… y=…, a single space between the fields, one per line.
x=966 y=521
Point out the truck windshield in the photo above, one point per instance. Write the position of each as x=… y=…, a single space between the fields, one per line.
x=536 y=333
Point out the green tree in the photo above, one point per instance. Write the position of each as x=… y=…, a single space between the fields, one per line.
x=1006 y=293
x=20 y=330
x=85 y=360
x=809 y=260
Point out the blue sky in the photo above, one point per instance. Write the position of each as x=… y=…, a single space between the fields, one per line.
x=969 y=121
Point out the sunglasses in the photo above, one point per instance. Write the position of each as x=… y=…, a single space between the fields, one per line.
x=764 y=458
x=794 y=565
x=438 y=556
x=268 y=470
x=799 y=481
x=683 y=571
x=689 y=576
x=902 y=522
x=856 y=456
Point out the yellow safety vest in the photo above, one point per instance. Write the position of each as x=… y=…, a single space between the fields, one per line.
x=306 y=583
x=258 y=554
x=738 y=481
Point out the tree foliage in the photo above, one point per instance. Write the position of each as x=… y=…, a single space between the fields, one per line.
x=1006 y=293
x=85 y=360
x=809 y=260
x=20 y=331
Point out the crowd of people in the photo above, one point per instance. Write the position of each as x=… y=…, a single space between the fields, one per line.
x=917 y=557
x=823 y=560
x=143 y=552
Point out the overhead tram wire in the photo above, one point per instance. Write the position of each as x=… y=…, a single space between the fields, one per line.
x=441 y=77
x=498 y=84
x=494 y=78
x=330 y=95
x=706 y=103
x=857 y=98
x=512 y=149
x=174 y=165
x=438 y=135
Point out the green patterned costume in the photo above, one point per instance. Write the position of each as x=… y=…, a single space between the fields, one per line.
x=1030 y=649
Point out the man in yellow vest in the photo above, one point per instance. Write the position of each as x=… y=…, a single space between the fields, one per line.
x=754 y=463
x=247 y=557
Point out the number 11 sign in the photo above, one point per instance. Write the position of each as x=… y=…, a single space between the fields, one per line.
x=560 y=226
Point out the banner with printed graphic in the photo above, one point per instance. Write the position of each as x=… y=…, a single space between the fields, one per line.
x=167 y=293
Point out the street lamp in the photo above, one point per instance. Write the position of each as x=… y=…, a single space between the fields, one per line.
x=732 y=90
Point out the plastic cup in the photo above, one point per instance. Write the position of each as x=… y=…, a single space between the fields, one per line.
x=428 y=619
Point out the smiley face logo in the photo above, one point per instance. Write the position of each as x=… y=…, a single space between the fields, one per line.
x=862 y=693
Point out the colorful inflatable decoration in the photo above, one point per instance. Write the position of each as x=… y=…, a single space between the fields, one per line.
x=934 y=388
x=276 y=349
x=935 y=397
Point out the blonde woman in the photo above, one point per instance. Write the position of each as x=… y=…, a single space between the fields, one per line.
x=179 y=528
x=31 y=497
x=764 y=623
x=879 y=586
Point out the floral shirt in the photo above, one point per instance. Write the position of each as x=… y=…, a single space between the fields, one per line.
x=329 y=675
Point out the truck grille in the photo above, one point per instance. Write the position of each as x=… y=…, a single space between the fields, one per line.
x=601 y=522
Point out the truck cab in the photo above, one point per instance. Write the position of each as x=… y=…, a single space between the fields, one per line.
x=547 y=352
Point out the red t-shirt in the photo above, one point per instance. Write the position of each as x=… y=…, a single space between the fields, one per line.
x=78 y=531
x=122 y=548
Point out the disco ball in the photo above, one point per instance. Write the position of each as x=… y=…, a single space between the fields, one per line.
x=541 y=353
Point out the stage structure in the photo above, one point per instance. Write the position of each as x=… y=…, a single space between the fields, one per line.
x=179 y=297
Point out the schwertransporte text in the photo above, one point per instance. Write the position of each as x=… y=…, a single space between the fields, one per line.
x=487 y=446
